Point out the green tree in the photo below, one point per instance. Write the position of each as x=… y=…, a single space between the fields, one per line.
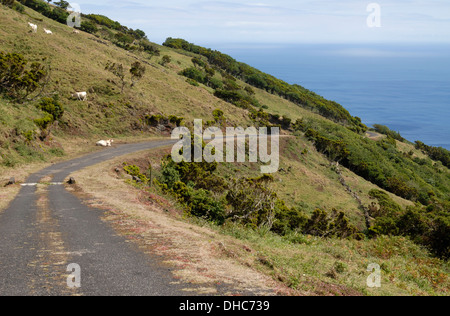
x=8 y=3
x=52 y=106
x=16 y=79
x=119 y=71
x=88 y=27
x=123 y=38
x=137 y=72
x=150 y=49
x=195 y=74
x=62 y=4
x=252 y=201
x=140 y=34
x=166 y=60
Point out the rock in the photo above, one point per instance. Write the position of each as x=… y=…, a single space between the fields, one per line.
x=137 y=179
x=71 y=181
x=11 y=181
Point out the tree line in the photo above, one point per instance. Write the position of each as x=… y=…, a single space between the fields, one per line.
x=259 y=79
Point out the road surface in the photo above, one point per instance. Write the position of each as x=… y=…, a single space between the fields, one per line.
x=51 y=244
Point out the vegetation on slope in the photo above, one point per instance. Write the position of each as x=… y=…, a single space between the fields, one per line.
x=109 y=111
x=258 y=79
x=131 y=95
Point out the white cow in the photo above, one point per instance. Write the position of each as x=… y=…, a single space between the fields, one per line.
x=48 y=31
x=105 y=143
x=33 y=27
x=82 y=96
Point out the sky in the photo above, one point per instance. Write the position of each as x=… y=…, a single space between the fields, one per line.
x=281 y=21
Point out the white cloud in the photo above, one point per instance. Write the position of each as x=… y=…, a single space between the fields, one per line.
x=290 y=21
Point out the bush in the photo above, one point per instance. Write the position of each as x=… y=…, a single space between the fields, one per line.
x=166 y=59
x=18 y=7
x=435 y=153
x=16 y=81
x=45 y=122
x=336 y=150
x=60 y=15
x=215 y=83
x=88 y=27
x=429 y=227
x=252 y=202
x=192 y=82
x=51 y=106
x=8 y=3
x=386 y=131
x=194 y=74
x=135 y=171
x=288 y=220
x=202 y=204
x=337 y=225
x=439 y=236
x=169 y=175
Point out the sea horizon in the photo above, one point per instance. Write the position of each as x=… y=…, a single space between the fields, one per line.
x=403 y=86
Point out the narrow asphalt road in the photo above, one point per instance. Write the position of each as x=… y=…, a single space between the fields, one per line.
x=46 y=229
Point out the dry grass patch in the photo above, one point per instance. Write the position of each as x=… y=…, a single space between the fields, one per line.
x=201 y=255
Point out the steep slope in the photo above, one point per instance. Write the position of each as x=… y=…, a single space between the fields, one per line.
x=78 y=62
x=383 y=176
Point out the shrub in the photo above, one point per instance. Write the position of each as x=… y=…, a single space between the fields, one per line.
x=400 y=188
x=18 y=7
x=192 y=82
x=88 y=27
x=16 y=80
x=287 y=219
x=439 y=236
x=202 y=204
x=435 y=153
x=337 y=225
x=166 y=60
x=44 y=122
x=8 y=3
x=219 y=117
x=150 y=49
x=169 y=175
x=135 y=171
x=336 y=150
x=194 y=74
x=215 y=83
x=386 y=131
x=252 y=202
x=59 y=14
x=176 y=120
x=51 y=106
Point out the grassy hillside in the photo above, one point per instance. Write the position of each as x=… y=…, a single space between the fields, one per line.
x=390 y=193
x=77 y=63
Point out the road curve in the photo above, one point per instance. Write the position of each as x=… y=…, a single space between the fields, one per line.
x=46 y=228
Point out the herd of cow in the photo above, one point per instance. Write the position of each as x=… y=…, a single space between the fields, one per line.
x=81 y=96
x=34 y=29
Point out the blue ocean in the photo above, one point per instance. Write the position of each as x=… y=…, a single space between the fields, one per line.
x=405 y=87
